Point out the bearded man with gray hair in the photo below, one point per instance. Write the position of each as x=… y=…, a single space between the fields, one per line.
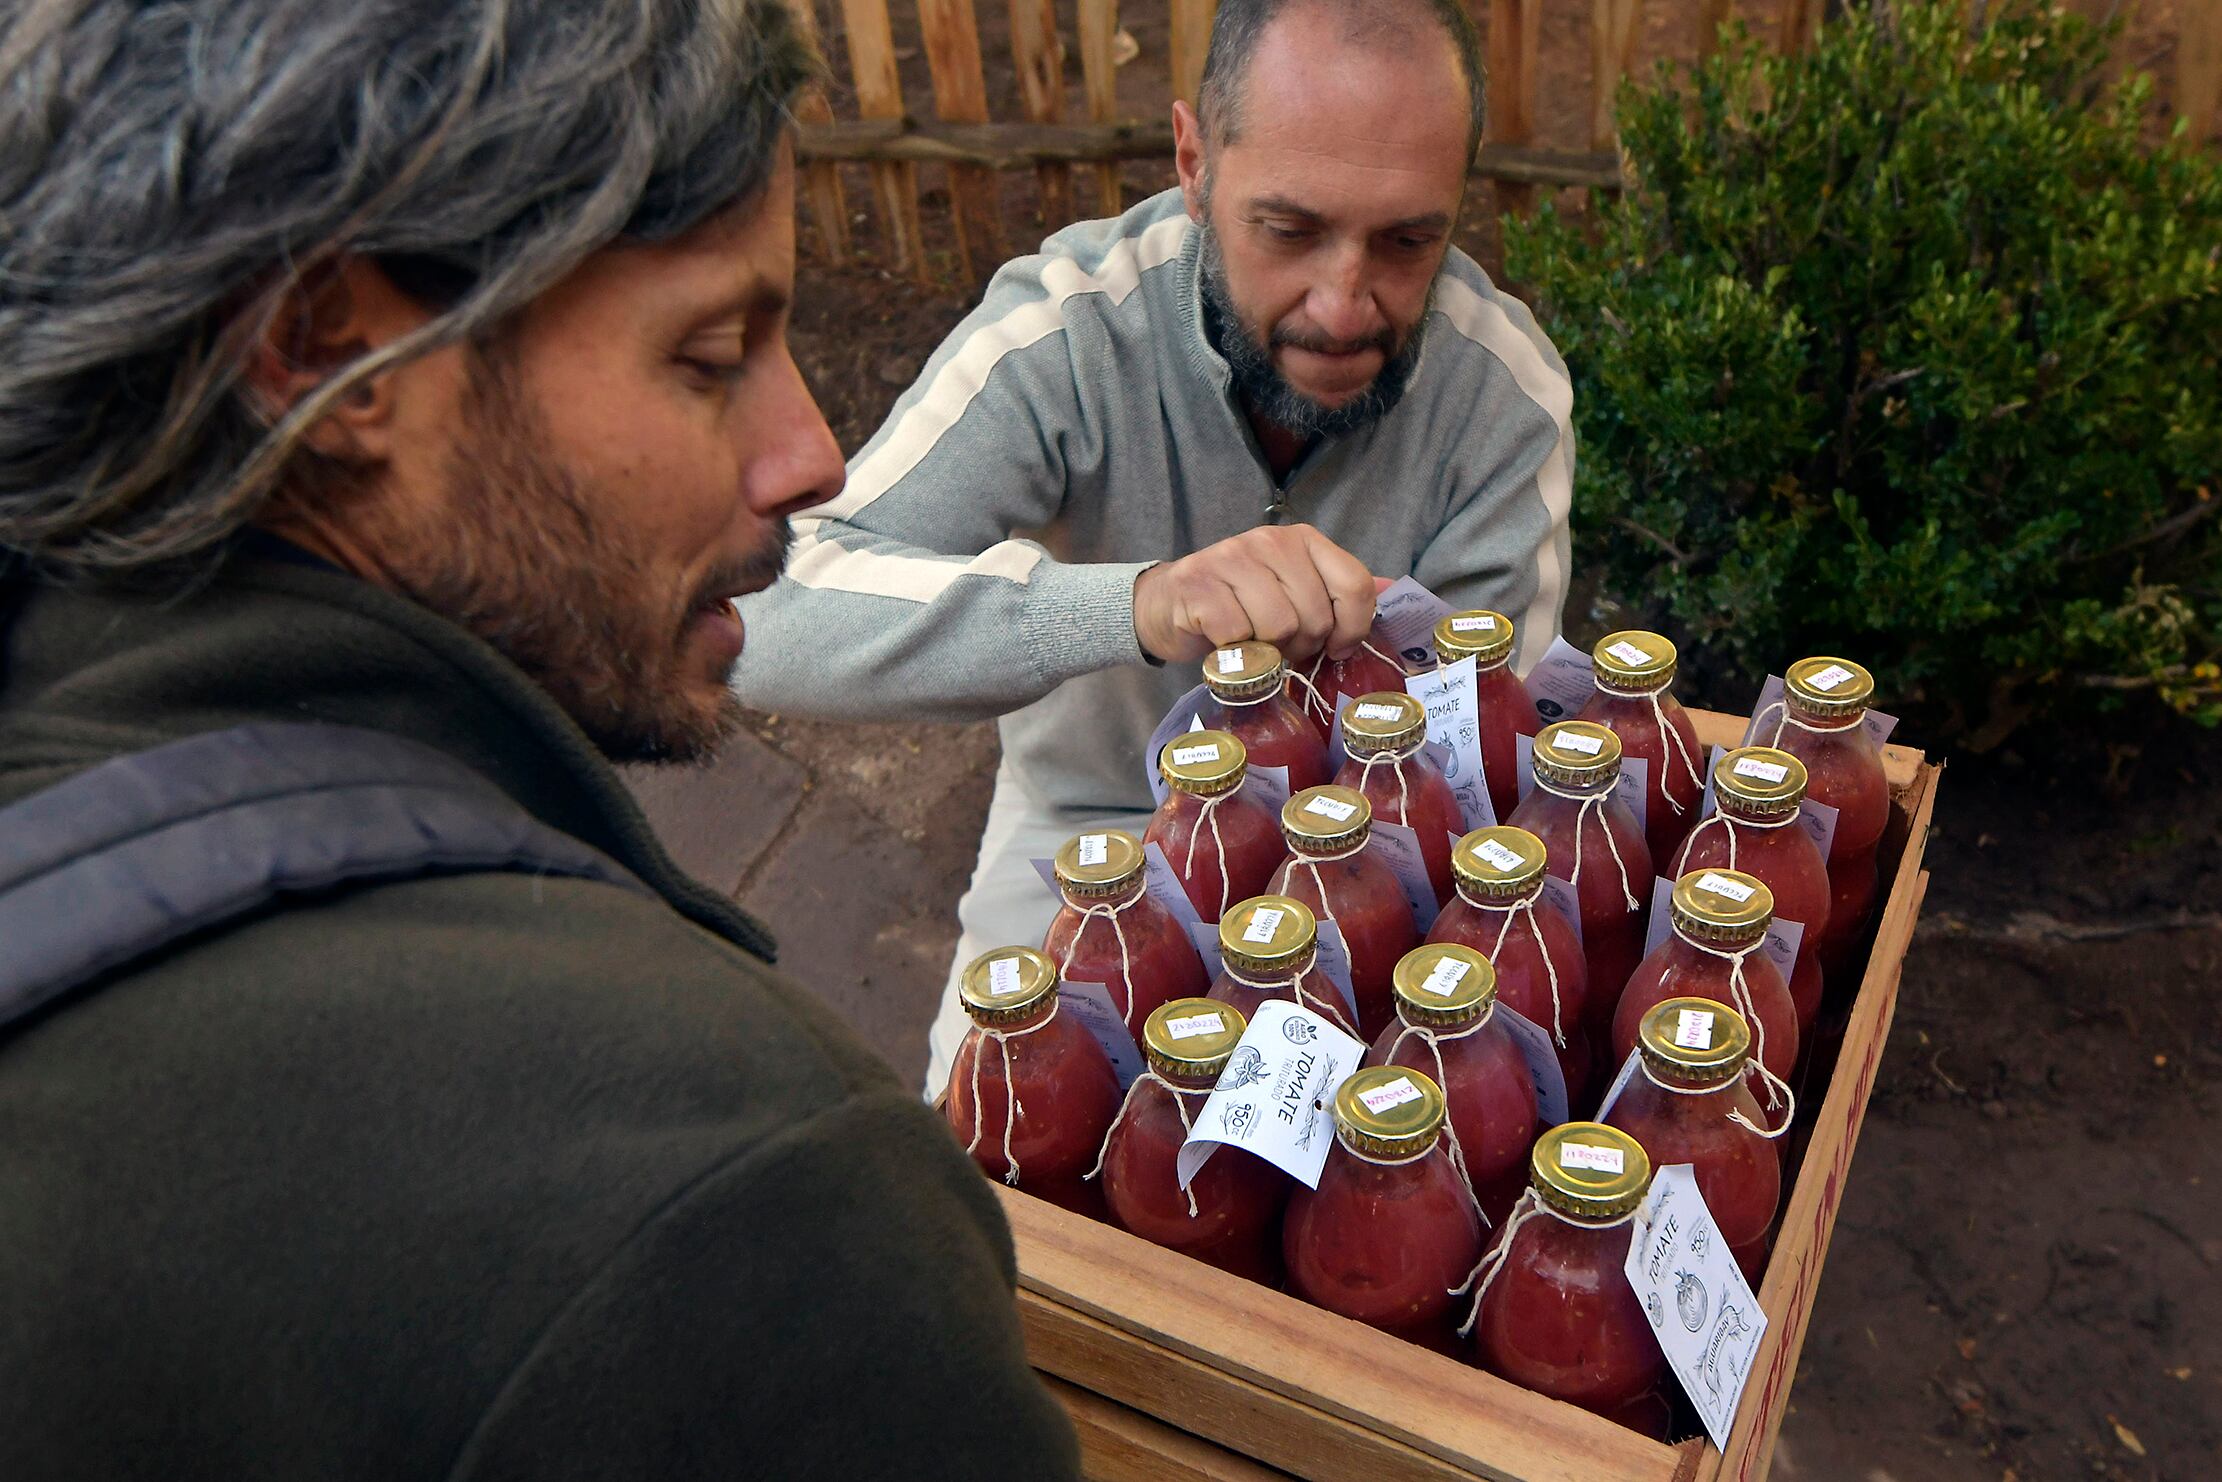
x=393 y=397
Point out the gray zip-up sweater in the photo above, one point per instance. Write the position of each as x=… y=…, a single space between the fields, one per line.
x=1079 y=427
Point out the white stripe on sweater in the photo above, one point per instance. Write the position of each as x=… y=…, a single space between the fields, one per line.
x=822 y=565
x=1485 y=322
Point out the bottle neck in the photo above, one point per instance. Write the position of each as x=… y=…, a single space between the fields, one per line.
x=1126 y=896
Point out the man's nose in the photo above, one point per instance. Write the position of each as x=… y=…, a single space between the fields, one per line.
x=794 y=462
x=1342 y=304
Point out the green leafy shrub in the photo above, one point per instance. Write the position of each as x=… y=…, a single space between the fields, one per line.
x=1907 y=349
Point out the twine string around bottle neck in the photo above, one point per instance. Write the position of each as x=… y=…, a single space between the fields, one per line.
x=1740 y=989
x=1773 y=1082
x=1188 y=865
x=1396 y=760
x=1526 y=906
x=1759 y=721
x=1493 y=1259
x=1305 y=998
x=1596 y=800
x=1433 y=1038
x=1678 y=748
x=1731 y=825
x=1111 y=913
x=1012 y=1109
x=1180 y=1104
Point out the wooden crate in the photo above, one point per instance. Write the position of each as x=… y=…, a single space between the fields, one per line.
x=1172 y=1369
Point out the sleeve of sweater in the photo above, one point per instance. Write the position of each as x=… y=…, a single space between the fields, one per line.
x=814 y=1308
x=913 y=593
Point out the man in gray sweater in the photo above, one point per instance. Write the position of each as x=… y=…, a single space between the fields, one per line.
x=1219 y=416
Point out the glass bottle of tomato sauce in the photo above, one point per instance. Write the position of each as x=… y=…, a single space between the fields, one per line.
x=1821 y=722
x=1269 y=948
x=1500 y=912
x=1507 y=709
x=1031 y=1093
x=1109 y=931
x=1554 y=1312
x=1715 y=950
x=1446 y=1024
x=1755 y=828
x=1332 y=872
x=1230 y=1213
x=1693 y=1104
x=1318 y=693
x=1592 y=842
x=1249 y=703
x=1385 y=736
x=1223 y=842
x=1392 y=1228
x=1635 y=681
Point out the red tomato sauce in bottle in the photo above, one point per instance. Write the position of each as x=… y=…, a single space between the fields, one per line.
x=1507 y=709
x=1230 y=1213
x=1635 y=681
x=1248 y=702
x=1500 y=912
x=1332 y=872
x=1385 y=737
x=1447 y=1025
x=1592 y=842
x=1691 y=1102
x=1391 y=1230
x=1319 y=692
x=1714 y=950
x=1109 y=931
x=1755 y=828
x=1031 y=1093
x=1268 y=948
x=1222 y=842
x=1822 y=723
x=1553 y=1312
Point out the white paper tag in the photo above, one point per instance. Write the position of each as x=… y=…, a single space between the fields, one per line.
x=1276 y=1097
x=1474 y=623
x=1094 y=849
x=1269 y=785
x=1619 y=1084
x=1392 y=1095
x=1453 y=703
x=1561 y=682
x=1628 y=653
x=1204 y=935
x=1661 y=919
x=1877 y=725
x=1229 y=660
x=1765 y=771
x=1702 y=1310
x=1195 y=1024
x=1829 y=678
x=1406 y=614
x=1333 y=963
x=1818 y=820
x=1337 y=753
x=1091 y=1004
x=1189 y=756
x=1596 y=1160
x=1398 y=847
x=1523 y=761
x=1719 y=884
x=1003 y=976
x=1376 y=712
x=1534 y=1042
x=1634 y=788
x=1332 y=808
x=1444 y=980
x=1575 y=741
x=1186 y=715
x=1264 y=921
x=1162 y=882
x=1561 y=896
x=1495 y=854
x=1693 y=1029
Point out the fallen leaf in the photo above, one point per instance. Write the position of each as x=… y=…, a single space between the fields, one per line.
x=2127 y=1437
x=2182 y=1373
x=1967 y=1349
x=2160 y=1060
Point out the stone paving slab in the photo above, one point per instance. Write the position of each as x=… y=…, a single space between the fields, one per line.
x=717 y=820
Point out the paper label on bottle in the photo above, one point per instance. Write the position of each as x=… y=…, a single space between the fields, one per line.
x=1619 y=1084
x=1264 y=921
x=1398 y=847
x=1876 y=724
x=1406 y=614
x=1337 y=753
x=1634 y=788
x=1765 y=771
x=1003 y=976
x=1332 y=808
x=1660 y=921
x=1269 y=785
x=1189 y=756
x=1091 y=1004
x=1818 y=820
x=1498 y=856
x=1735 y=890
x=1446 y=977
x=1475 y=623
x=1561 y=682
x=1186 y=715
x=1561 y=896
x=1534 y=1042
x=1332 y=962
x=1700 y=1307
x=1229 y=660
x=1628 y=653
x=1693 y=1029
x=1596 y=1160
x=1574 y=741
x=1452 y=698
x=1204 y=936
x=1195 y=1024
x=1377 y=712
x=1094 y=849
x=1162 y=882
x=1390 y=1096
x=1275 y=1100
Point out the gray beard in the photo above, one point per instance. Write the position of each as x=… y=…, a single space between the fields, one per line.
x=1263 y=389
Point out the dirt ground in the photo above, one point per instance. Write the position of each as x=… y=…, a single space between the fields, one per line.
x=2024 y=1281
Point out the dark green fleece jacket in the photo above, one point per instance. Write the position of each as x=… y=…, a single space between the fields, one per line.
x=472 y=1177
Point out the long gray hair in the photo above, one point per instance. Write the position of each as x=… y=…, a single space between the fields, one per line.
x=169 y=172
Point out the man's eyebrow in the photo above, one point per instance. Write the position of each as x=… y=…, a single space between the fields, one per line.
x=757 y=300
x=1276 y=205
x=1283 y=206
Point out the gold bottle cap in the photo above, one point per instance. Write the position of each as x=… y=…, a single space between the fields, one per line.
x=1723 y=906
x=1443 y=985
x=1203 y=763
x=1589 y=1170
x=1244 y=671
x=1577 y=753
x=1190 y=1039
x=1696 y=1041
x=1269 y=934
x=1389 y=1111
x=1383 y=722
x=1006 y=986
x=1759 y=782
x=1501 y=864
x=1100 y=864
x=1827 y=689
x=1326 y=820
x=1480 y=635
x=1633 y=662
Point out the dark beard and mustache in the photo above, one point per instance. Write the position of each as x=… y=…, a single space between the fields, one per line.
x=546 y=571
x=1263 y=389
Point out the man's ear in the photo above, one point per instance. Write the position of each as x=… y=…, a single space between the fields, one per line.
x=1188 y=157
x=324 y=323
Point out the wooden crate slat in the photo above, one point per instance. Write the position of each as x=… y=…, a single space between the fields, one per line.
x=821 y=182
x=2199 y=68
x=951 y=29
x=1041 y=91
x=1191 y=43
x=1099 y=28
x=879 y=95
x=1612 y=48
x=1515 y=36
x=1118 y=1444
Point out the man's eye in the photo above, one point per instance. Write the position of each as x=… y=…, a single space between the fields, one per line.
x=720 y=372
x=1287 y=233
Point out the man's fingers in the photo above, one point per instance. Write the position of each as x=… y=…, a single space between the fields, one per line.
x=1272 y=616
x=1350 y=588
x=1216 y=614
